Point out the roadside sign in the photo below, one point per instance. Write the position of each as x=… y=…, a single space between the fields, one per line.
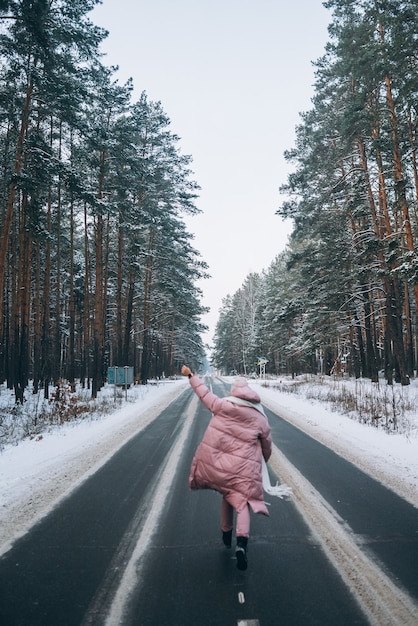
x=120 y=376
x=261 y=363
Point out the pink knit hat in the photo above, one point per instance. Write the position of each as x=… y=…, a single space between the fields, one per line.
x=240 y=389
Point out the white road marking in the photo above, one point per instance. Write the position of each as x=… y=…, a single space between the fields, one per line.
x=241 y=598
x=131 y=575
x=248 y=622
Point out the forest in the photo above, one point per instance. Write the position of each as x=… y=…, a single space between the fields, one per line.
x=97 y=267
x=343 y=296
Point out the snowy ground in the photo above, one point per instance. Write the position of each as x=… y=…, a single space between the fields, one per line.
x=38 y=472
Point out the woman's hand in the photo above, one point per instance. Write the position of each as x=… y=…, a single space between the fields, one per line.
x=186 y=371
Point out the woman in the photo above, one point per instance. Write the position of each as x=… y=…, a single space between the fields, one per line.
x=229 y=457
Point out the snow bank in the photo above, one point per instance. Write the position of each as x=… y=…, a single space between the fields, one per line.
x=391 y=458
x=38 y=472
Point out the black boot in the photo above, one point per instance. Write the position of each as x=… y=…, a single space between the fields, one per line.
x=227 y=538
x=241 y=552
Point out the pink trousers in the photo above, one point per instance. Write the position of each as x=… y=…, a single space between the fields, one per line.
x=243 y=519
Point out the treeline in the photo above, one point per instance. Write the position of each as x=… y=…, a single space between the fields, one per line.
x=96 y=264
x=344 y=295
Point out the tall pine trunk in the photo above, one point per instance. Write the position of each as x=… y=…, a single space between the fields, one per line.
x=99 y=304
x=118 y=360
x=85 y=359
x=57 y=359
x=37 y=338
x=98 y=347
x=71 y=305
x=22 y=307
x=5 y=235
x=128 y=319
x=146 y=341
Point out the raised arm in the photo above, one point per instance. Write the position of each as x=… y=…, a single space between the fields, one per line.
x=209 y=399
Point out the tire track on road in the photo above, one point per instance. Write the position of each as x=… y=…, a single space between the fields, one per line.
x=380 y=599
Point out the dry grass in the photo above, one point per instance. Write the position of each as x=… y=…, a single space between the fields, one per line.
x=388 y=407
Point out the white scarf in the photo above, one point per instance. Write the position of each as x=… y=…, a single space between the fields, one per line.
x=281 y=491
x=242 y=402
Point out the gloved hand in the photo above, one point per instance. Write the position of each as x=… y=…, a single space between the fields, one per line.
x=186 y=371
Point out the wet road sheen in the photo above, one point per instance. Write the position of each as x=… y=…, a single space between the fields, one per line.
x=67 y=569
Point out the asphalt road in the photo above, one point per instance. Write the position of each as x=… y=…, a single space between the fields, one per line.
x=67 y=569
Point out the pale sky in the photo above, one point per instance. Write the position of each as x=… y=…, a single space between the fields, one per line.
x=233 y=76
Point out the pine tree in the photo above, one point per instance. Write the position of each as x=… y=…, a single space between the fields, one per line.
x=347 y=148
x=95 y=259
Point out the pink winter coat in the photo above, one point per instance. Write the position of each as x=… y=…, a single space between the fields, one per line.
x=228 y=459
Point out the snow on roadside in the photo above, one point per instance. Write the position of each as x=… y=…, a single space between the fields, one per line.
x=38 y=472
x=392 y=459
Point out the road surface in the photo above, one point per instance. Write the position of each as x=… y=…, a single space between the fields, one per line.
x=133 y=546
